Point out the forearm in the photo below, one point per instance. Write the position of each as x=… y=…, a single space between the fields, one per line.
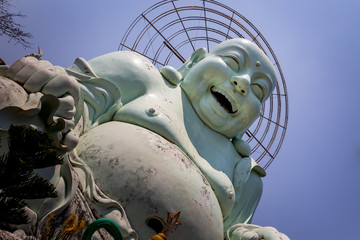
x=248 y=194
x=248 y=186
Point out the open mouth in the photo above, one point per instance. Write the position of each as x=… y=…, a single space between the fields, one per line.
x=223 y=100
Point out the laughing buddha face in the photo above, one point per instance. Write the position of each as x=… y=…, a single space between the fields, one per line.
x=228 y=86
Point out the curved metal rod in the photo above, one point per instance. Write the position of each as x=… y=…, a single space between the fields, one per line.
x=268 y=134
x=191 y=18
x=106 y=223
x=179 y=46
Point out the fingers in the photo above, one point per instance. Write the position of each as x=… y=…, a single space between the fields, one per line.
x=39 y=75
x=250 y=235
x=22 y=69
x=61 y=85
x=66 y=111
x=244 y=234
x=74 y=91
x=70 y=140
x=38 y=80
x=29 y=69
x=65 y=125
x=66 y=108
x=18 y=65
x=269 y=233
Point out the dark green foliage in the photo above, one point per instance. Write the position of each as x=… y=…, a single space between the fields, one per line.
x=32 y=187
x=29 y=149
x=33 y=147
x=11 y=210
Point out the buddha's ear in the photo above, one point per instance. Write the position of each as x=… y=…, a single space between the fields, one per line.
x=174 y=76
x=171 y=75
x=195 y=57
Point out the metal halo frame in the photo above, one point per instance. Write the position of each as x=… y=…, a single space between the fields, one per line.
x=171 y=29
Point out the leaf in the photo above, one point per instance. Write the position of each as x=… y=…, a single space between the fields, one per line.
x=12 y=210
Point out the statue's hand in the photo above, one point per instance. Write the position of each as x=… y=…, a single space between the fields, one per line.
x=254 y=232
x=41 y=76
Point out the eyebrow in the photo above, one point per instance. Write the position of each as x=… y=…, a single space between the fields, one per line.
x=231 y=49
x=241 y=55
x=236 y=54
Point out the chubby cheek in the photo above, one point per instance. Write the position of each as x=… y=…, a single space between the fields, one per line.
x=194 y=92
x=254 y=109
x=215 y=71
x=208 y=68
x=202 y=76
x=250 y=110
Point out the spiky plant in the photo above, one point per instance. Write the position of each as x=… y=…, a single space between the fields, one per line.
x=29 y=149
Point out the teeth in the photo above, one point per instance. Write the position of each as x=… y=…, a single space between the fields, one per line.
x=227 y=96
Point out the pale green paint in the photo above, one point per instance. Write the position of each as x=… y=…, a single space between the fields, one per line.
x=179 y=107
x=189 y=116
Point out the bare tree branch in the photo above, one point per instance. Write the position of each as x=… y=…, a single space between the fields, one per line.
x=10 y=28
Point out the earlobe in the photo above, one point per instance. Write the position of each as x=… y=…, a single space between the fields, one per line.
x=171 y=75
x=175 y=76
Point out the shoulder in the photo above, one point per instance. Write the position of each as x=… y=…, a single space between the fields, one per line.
x=124 y=64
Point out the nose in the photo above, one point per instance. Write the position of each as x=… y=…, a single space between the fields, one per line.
x=241 y=84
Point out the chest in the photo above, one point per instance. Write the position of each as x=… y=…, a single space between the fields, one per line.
x=170 y=114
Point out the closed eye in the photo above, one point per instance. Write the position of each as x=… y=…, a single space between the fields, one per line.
x=259 y=91
x=232 y=62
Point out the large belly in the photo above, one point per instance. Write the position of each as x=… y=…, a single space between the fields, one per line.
x=150 y=176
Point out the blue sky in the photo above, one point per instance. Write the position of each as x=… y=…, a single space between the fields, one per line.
x=312 y=188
